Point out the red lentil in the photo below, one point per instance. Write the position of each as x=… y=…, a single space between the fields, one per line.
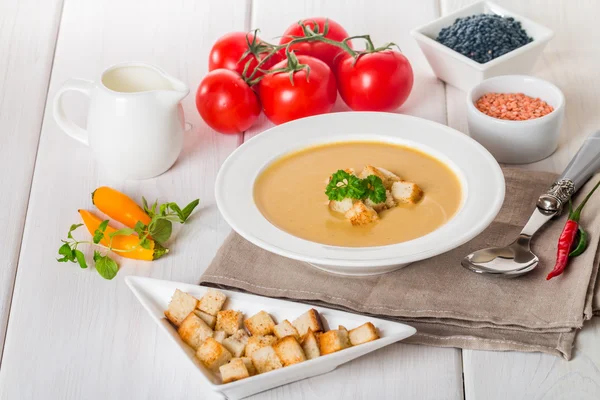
x=512 y=106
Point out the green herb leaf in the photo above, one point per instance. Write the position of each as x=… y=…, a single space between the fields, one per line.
x=140 y=228
x=375 y=189
x=121 y=232
x=189 y=209
x=145 y=205
x=175 y=207
x=67 y=253
x=97 y=255
x=106 y=266
x=344 y=185
x=99 y=233
x=160 y=230
x=145 y=243
x=80 y=259
x=72 y=228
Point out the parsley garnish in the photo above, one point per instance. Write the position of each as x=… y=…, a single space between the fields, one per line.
x=344 y=185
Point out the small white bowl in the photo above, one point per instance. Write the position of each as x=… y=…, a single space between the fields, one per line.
x=459 y=70
x=517 y=142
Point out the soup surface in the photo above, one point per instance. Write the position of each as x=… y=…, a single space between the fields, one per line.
x=290 y=193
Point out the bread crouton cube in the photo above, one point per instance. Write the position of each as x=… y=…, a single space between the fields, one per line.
x=236 y=343
x=310 y=345
x=387 y=177
x=229 y=321
x=289 y=351
x=284 y=329
x=249 y=365
x=265 y=360
x=333 y=340
x=361 y=214
x=180 y=306
x=407 y=192
x=308 y=320
x=209 y=319
x=341 y=206
x=194 y=331
x=213 y=354
x=258 y=342
x=212 y=301
x=363 y=334
x=234 y=370
x=219 y=336
x=342 y=328
x=260 y=324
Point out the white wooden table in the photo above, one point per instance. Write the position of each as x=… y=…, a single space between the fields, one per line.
x=65 y=333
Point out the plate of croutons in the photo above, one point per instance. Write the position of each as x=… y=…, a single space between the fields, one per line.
x=243 y=344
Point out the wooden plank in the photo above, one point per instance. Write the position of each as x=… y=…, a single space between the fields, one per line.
x=27 y=38
x=398 y=371
x=72 y=334
x=567 y=62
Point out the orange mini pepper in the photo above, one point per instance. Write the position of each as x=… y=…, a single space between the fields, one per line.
x=127 y=246
x=119 y=206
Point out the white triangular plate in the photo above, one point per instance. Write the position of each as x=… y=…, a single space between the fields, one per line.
x=155 y=294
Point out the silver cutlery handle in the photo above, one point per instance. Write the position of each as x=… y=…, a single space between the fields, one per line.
x=585 y=163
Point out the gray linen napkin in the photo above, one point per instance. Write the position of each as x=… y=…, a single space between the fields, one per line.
x=448 y=305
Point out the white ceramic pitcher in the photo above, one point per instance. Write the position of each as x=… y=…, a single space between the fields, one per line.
x=135 y=122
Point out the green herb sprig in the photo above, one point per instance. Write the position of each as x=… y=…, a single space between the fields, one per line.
x=344 y=185
x=159 y=229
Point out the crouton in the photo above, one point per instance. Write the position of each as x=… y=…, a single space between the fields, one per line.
x=308 y=320
x=342 y=328
x=212 y=301
x=285 y=329
x=310 y=345
x=236 y=343
x=219 y=336
x=258 y=342
x=260 y=324
x=229 y=321
x=334 y=340
x=234 y=370
x=361 y=214
x=406 y=192
x=341 y=206
x=289 y=351
x=266 y=360
x=194 y=331
x=363 y=334
x=181 y=305
x=249 y=365
x=387 y=177
x=209 y=319
x=213 y=354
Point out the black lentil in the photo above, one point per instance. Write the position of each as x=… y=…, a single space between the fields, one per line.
x=484 y=37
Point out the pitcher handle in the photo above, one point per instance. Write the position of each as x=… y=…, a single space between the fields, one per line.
x=70 y=127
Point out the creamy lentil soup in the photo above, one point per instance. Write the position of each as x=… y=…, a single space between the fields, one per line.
x=290 y=193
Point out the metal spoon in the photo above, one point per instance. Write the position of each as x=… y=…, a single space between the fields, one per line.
x=517 y=258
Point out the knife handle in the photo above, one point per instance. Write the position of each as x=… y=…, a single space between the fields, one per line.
x=582 y=166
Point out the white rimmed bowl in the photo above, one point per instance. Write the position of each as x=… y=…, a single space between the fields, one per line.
x=517 y=142
x=459 y=70
x=480 y=175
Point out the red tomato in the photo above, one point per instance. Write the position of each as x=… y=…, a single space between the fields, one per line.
x=376 y=82
x=323 y=51
x=283 y=102
x=226 y=103
x=229 y=49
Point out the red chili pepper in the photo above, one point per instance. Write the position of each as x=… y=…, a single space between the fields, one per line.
x=567 y=237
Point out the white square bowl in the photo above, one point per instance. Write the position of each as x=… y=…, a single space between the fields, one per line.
x=460 y=71
x=155 y=294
